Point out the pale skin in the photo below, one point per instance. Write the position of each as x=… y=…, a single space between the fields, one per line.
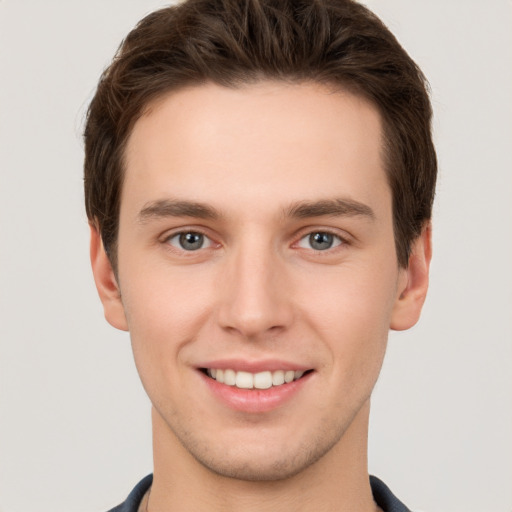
x=281 y=188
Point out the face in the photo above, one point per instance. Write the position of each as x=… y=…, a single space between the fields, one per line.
x=257 y=271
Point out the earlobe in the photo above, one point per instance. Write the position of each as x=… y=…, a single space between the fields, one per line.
x=413 y=283
x=106 y=282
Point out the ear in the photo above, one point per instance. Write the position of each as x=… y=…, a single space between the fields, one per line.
x=413 y=283
x=106 y=282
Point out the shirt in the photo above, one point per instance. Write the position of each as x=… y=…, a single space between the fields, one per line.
x=384 y=498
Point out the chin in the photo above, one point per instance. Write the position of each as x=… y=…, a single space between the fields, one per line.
x=247 y=469
x=264 y=461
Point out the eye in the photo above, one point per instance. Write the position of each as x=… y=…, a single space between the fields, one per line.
x=320 y=241
x=189 y=241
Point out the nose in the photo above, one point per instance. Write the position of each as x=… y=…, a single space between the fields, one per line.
x=255 y=294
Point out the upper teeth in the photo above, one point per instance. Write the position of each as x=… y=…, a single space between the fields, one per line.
x=261 y=380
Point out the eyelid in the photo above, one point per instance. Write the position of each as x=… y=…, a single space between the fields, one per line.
x=336 y=243
x=208 y=242
x=170 y=234
x=344 y=238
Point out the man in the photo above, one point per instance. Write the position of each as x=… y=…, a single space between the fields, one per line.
x=259 y=178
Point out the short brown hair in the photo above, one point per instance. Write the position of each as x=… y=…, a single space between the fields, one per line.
x=233 y=42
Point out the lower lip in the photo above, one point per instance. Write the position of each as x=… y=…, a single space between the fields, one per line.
x=255 y=400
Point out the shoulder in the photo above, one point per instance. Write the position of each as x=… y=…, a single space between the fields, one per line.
x=384 y=498
x=135 y=497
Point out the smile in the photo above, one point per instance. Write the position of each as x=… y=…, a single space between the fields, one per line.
x=260 y=380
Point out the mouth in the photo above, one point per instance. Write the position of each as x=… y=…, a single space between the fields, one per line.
x=257 y=381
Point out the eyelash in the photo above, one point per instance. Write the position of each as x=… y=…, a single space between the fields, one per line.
x=339 y=241
x=182 y=233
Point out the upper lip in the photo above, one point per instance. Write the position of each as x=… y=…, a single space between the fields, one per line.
x=263 y=365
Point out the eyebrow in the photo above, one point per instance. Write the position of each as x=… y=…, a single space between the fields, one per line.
x=303 y=209
x=329 y=207
x=173 y=208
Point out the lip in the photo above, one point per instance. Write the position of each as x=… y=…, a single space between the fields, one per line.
x=242 y=365
x=254 y=400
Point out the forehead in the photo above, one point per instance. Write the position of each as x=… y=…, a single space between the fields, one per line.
x=267 y=140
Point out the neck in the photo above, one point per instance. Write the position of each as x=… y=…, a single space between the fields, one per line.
x=336 y=482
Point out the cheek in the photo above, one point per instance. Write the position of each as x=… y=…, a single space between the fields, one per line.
x=165 y=312
x=352 y=313
x=158 y=296
x=353 y=297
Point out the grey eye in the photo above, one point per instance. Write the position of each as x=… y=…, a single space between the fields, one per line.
x=189 y=241
x=320 y=241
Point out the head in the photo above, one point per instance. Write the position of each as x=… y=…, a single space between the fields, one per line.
x=259 y=177
x=340 y=44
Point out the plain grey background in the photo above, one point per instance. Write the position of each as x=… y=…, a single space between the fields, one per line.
x=74 y=421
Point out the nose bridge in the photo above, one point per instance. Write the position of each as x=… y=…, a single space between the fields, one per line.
x=254 y=297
